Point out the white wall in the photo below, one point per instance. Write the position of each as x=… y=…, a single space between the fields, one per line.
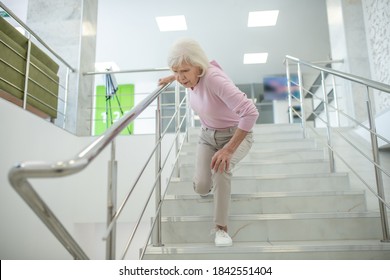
x=78 y=200
x=19 y=8
x=377 y=21
x=348 y=42
x=382 y=128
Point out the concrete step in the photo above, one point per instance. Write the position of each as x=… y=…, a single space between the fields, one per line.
x=276 y=227
x=268 y=145
x=269 y=203
x=265 y=128
x=256 y=156
x=267 y=168
x=365 y=249
x=259 y=136
x=285 y=205
x=273 y=183
x=276 y=128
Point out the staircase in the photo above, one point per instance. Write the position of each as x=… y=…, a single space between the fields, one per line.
x=285 y=205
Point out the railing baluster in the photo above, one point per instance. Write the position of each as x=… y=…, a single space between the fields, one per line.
x=112 y=203
x=301 y=98
x=157 y=230
x=383 y=205
x=66 y=97
x=290 y=111
x=27 y=73
x=378 y=173
x=328 y=125
x=336 y=100
x=177 y=126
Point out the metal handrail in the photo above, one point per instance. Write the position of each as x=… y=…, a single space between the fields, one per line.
x=19 y=174
x=120 y=208
x=159 y=205
x=383 y=205
x=351 y=77
x=21 y=23
x=69 y=69
x=144 y=70
x=158 y=210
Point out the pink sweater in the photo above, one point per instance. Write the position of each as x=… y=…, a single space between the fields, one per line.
x=220 y=104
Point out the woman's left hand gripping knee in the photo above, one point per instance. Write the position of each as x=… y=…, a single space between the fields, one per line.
x=220 y=162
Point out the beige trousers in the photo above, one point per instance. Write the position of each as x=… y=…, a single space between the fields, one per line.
x=206 y=180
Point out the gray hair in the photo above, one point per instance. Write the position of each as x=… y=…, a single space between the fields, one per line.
x=188 y=51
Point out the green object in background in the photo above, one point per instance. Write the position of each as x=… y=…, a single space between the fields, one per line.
x=125 y=95
x=4 y=14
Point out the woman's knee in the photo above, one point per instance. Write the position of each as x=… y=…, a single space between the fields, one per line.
x=202 y=186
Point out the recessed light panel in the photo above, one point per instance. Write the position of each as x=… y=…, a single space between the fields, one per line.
x=171 y=23
x=263 y=18
x=255 y=58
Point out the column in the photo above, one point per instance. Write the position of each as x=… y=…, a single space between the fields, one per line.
x=348 y=42
x=69 y=28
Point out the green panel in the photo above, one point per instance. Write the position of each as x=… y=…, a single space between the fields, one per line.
x=111 y=109
x=43 y=79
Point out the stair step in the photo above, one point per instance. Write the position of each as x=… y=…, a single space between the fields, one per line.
x=266 y=203
x=259 y=137
x=274 y=129
x=268 y=167
x=256 y=155
x=269 y=183
x=276 y=250
x=285 y=205
x=276 y=227
x=268 y=146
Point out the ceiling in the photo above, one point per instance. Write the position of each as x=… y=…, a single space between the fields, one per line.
x=128 y=34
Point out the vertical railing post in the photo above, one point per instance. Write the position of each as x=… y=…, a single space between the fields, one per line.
x=378 y=172
x=177 y=119
x=157 y=229
x=111 y=203
x=66 y=91
x=328 y=125
x=301 y=98
x=190 y=115
x=27 y=72
x=290 y=111
x=336 y=100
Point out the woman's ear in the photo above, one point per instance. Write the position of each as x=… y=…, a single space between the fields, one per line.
x=200 y=72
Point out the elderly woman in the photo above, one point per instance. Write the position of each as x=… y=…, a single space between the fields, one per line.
x=227 y=117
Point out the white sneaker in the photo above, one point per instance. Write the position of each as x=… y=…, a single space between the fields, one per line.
x=222 y=238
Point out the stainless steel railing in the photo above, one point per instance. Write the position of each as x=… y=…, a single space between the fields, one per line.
x=326 y=119
x=129 y=76
x=25 y=27
x=63 y=84
x=20 y=174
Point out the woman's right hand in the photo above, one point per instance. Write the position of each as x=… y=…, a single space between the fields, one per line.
x=166 y=80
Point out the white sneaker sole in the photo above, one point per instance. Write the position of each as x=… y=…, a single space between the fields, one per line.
x=224 y=245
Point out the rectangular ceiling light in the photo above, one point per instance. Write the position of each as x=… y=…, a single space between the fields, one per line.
x=255 y=58
x=171 y=23
x=263 y=18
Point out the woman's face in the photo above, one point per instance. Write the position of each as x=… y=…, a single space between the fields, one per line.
x=187 y=74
